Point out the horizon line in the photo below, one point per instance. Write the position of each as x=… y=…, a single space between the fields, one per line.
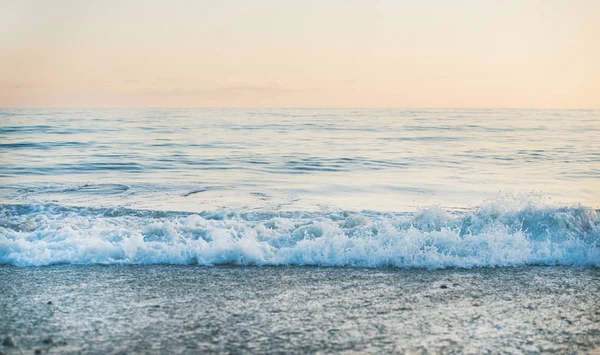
x=289 y=108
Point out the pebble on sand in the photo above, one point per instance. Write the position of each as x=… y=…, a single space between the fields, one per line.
x=443 y=286
x=9 y=341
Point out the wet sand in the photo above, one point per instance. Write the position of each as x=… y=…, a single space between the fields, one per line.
x=191 y=309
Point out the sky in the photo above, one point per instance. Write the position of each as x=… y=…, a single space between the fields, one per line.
x=309 y=53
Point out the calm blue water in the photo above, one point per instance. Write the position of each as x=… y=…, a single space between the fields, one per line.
x=408 y=188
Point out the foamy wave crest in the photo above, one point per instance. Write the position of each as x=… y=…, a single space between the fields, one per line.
x=494 y=234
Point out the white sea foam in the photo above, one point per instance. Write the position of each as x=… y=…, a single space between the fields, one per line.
x=499 y=233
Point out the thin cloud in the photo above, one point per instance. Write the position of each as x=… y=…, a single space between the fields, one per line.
x=272 y=88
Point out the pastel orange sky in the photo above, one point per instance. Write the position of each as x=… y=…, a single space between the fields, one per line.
x=270 y=53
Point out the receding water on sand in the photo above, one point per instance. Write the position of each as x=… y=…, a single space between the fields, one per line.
x=187 y=309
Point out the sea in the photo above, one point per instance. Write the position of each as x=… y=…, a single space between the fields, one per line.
x=300 y=230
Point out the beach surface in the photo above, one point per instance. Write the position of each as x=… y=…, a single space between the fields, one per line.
x=230 y=309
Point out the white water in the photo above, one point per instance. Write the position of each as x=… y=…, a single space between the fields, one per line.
x=503 y=232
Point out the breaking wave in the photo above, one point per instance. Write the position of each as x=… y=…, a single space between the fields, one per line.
x=497 y=233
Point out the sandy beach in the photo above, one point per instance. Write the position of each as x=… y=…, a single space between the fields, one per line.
x=230 y=309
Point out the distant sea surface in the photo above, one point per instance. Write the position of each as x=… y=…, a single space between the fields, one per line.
x=343 y=187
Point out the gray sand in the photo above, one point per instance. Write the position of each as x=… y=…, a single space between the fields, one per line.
x=189 y=309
